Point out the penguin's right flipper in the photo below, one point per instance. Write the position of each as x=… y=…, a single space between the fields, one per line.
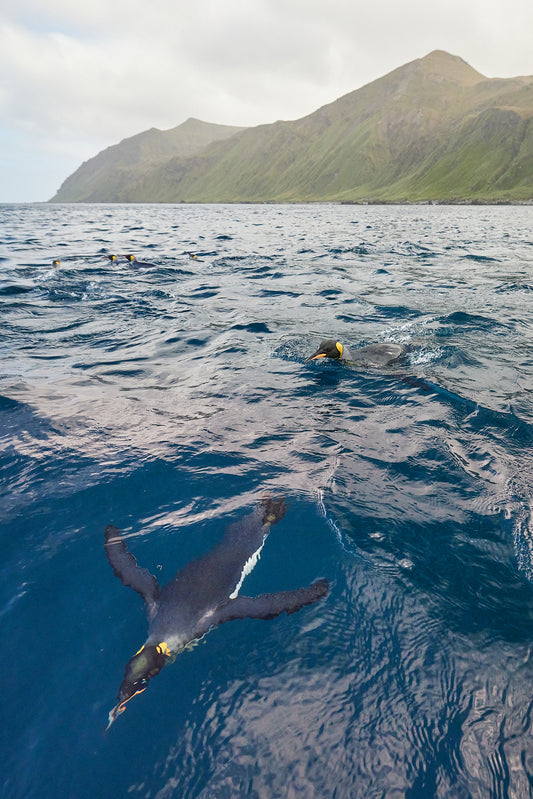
x=268 y=606
x=126 y=569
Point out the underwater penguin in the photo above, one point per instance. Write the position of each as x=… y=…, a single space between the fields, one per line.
x=386 y=354
x=201 y=596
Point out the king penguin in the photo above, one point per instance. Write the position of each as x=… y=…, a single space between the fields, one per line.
x=201 y=596
x=386 y=354
x=134 y=262
x=193 y=256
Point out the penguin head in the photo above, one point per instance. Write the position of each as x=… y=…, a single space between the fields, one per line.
x=140 y=669
x=129 y=258
x=112 y=257
x=56 y=262
x=328 y=349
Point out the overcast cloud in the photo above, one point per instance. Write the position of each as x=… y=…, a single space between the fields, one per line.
x=75 y=78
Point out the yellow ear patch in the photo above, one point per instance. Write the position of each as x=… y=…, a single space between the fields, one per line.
x=339 y=347
x=163 y=649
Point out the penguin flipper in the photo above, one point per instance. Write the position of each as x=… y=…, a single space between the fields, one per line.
x=268 y=606
x=126 y=569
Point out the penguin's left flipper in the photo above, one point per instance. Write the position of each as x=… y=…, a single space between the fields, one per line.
x=126 y=569
x=268 y=606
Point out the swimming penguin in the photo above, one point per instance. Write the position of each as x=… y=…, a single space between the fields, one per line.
x=193 y=256
x=112 y=258
x=134 y=262
x=386 y=354
x=201 y=596
x=56 y=262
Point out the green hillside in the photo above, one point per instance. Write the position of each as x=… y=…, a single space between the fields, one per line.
x=431 y=130
x=109 y=175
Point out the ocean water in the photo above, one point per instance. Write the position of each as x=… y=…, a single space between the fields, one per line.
x=169 y=399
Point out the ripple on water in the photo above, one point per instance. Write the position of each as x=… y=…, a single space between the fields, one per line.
x=168 y=400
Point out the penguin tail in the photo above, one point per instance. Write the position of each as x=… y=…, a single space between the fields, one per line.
x=273 y=509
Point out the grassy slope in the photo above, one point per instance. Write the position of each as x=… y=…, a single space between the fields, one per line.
x=110 y=174
x=434 y=129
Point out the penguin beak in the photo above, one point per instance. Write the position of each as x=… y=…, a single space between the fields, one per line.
x=315 y=356
x=121 y=707
x=115 y=713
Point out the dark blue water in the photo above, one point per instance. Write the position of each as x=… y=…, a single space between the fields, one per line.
x=167 y=400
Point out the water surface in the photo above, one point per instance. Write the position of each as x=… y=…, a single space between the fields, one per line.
x=167 y=400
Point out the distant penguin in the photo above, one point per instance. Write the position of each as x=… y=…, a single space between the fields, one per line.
x=380 y=355
x=134 y=262
x=112 y=258
x=56 y=262
x=193 y=256
x=201 y=596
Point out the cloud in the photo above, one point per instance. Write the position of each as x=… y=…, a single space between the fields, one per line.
x=78 y=77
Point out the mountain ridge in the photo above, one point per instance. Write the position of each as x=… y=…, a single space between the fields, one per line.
x=114 y=168
x=433 y=129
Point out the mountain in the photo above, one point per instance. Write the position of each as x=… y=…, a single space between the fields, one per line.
x=108 y=176
x=434 y=129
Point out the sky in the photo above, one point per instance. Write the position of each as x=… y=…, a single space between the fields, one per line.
x=76 y=78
